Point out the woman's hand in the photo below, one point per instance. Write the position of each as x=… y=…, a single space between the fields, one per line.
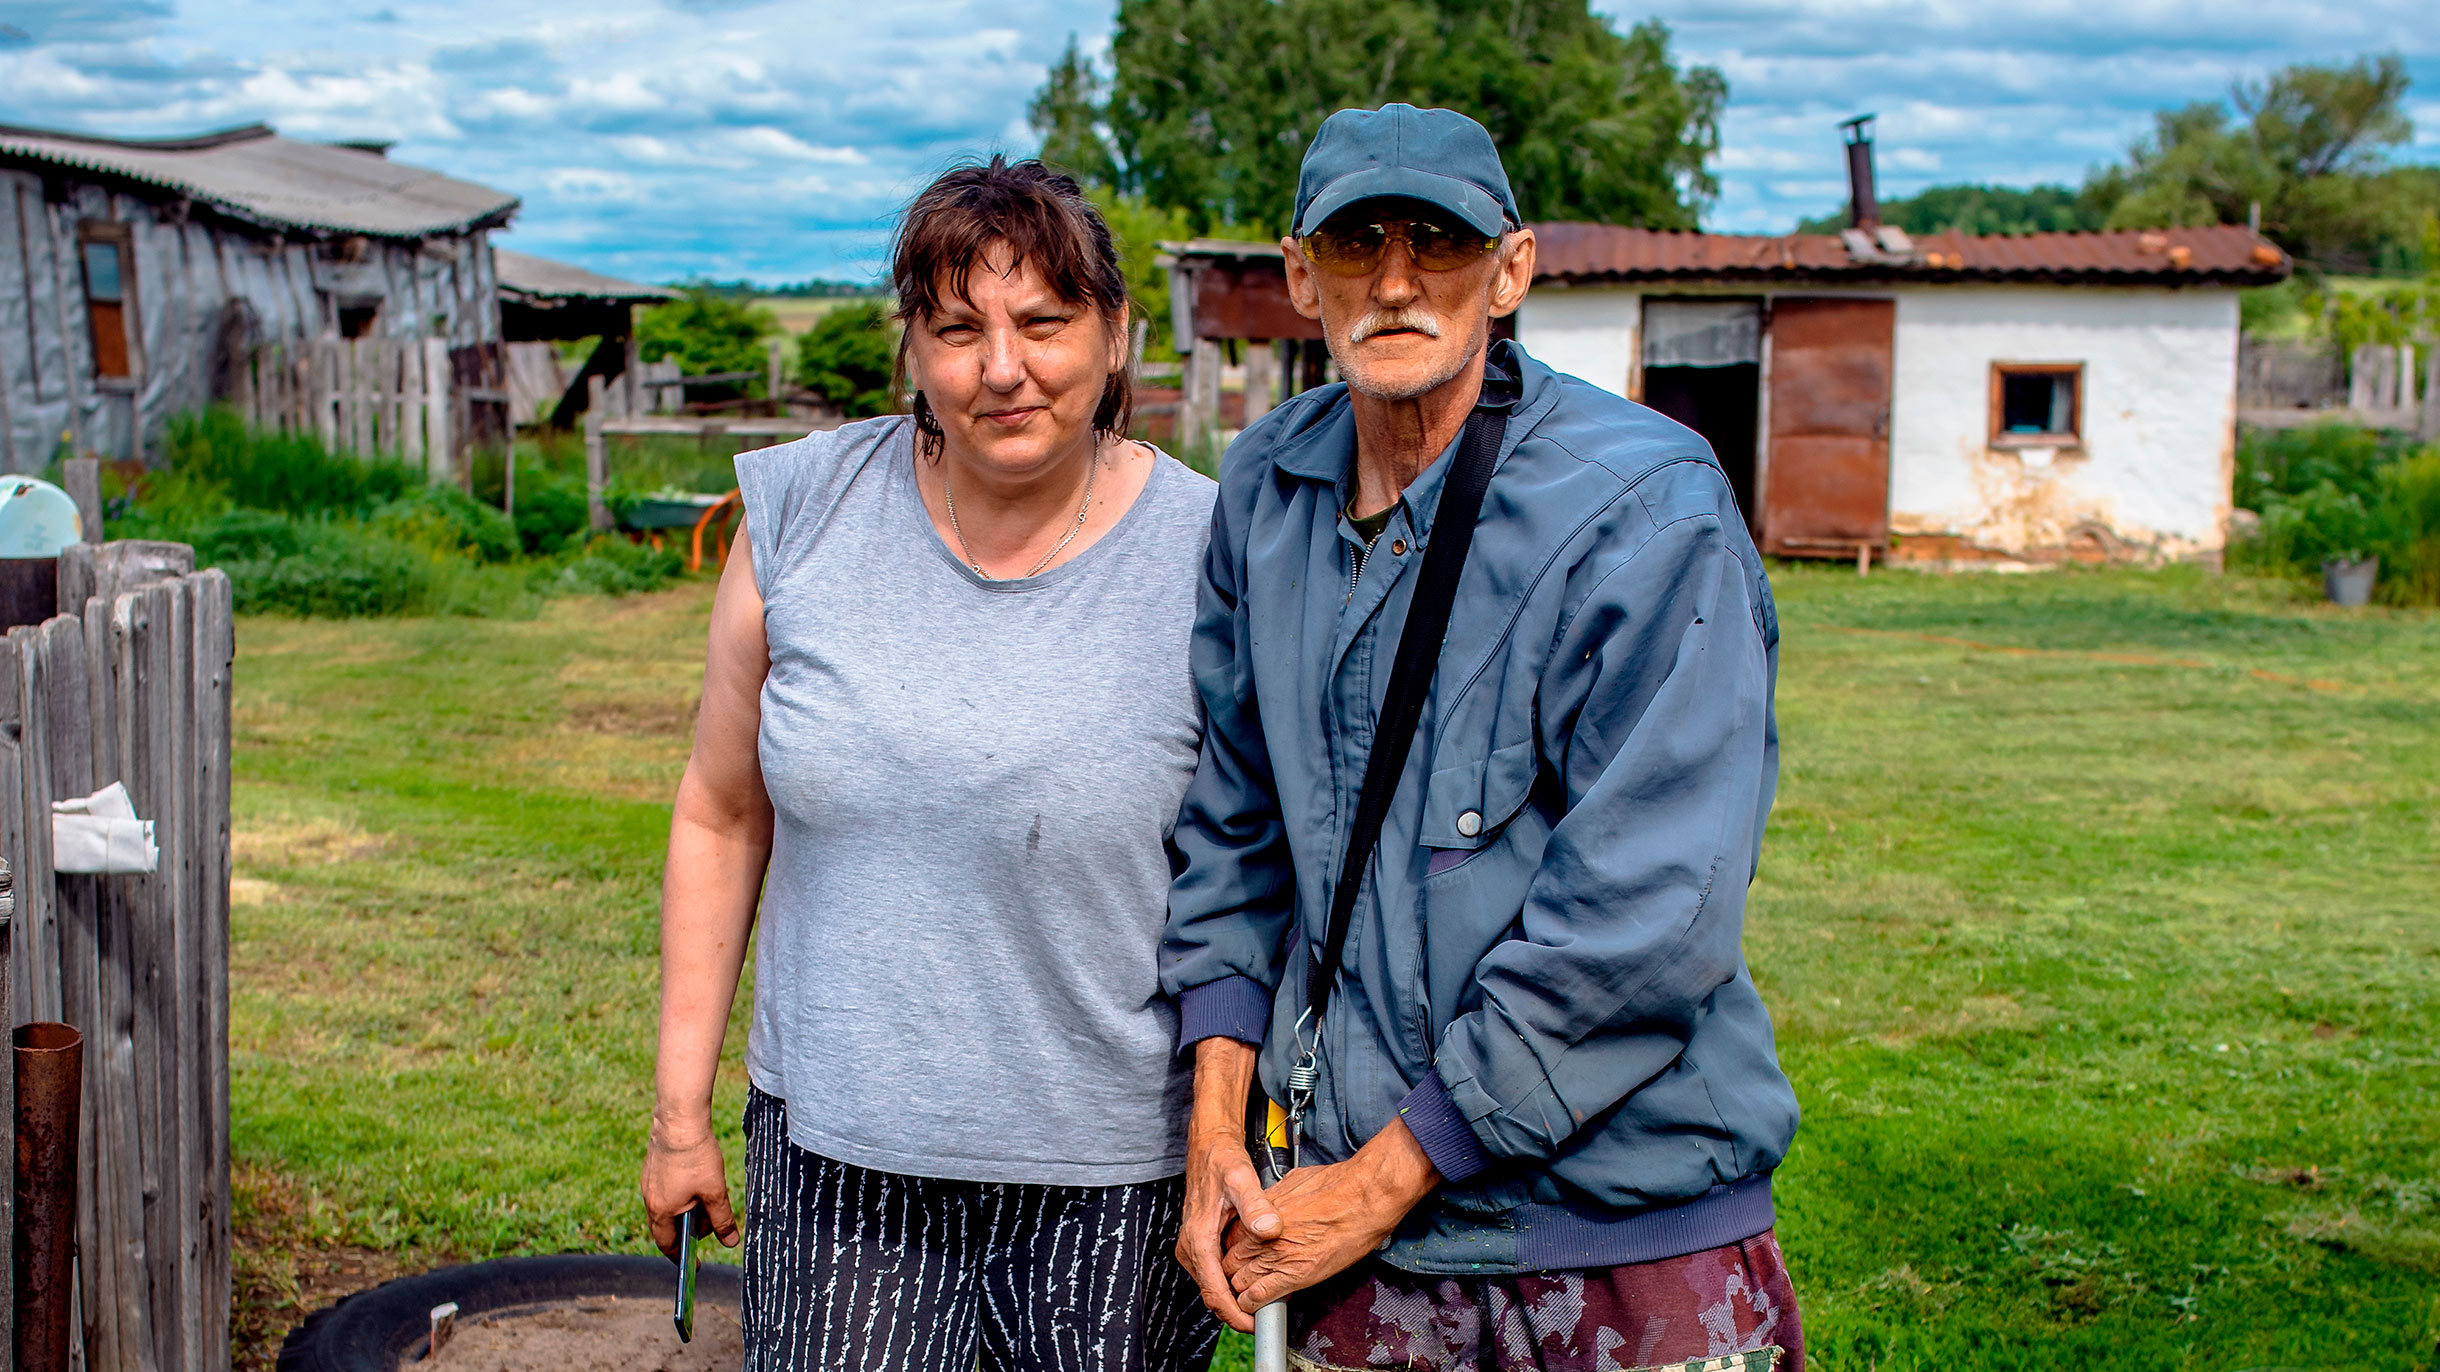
x=1221 y=1185
x=1329 y=1219
x=682 y=1169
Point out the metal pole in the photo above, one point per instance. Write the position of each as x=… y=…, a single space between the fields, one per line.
x=50 y=1080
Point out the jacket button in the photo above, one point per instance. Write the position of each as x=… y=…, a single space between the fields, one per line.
x=1470 y=823
x=1397 y=547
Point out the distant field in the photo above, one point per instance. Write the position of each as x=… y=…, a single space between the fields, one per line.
x=798 y=313
x=2096 y=917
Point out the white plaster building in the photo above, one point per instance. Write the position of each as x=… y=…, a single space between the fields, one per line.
x=2022 y=399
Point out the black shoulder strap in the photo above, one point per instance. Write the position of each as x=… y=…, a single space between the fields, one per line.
x=1410 y=679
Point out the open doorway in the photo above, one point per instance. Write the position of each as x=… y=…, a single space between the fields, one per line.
x=1702 y=366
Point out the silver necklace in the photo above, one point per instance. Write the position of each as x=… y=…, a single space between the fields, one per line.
x=949 y=499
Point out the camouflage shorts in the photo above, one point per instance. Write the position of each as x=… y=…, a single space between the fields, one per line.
x=1729 y=1309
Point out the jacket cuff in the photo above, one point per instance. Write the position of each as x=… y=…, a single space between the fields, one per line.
x=1437 y=1124
x=1231 y=1008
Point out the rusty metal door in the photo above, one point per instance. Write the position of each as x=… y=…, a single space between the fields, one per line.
x=1826 y=489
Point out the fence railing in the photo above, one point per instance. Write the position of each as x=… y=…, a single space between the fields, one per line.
x=132 y=684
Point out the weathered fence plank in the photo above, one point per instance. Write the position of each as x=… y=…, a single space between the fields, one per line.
x=132 y=685
x=215 y=654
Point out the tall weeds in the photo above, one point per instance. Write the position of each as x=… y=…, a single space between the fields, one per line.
x=305 y=531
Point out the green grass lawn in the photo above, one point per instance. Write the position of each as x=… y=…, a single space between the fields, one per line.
x=2098 y=917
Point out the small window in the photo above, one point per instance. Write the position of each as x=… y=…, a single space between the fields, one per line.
x=110 y=300
x=356 y=321
x=2034 y=404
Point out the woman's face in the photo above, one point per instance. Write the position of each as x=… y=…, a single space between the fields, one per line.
x=1013 y=372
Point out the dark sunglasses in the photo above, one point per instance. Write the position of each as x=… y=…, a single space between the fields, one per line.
x=1354 y=247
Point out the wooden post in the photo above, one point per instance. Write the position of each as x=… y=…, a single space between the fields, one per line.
x=411 y=404
x=772 y=349
x=439 y=453
x=597 y=458
x=215 y=650
x=1203 y=394
x=82 y=477
x=2429 y=429
x=1261 y=375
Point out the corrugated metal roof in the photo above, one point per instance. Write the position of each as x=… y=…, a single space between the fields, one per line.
x=2223 y=254
x=541 y=281
x=254 y=174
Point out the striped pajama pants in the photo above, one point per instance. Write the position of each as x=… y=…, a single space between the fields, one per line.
x=852 y=1270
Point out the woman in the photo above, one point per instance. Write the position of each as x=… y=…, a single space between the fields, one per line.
x=947 y=722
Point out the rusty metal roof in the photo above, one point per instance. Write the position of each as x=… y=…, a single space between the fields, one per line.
x=541 y=281
x=2224 y=254
x=253 y=174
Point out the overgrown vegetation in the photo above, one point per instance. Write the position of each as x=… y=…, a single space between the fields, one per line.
x=304 y=531
x=2094 y=917
x=2337 y=492
x=847 y=357
x=710 y=333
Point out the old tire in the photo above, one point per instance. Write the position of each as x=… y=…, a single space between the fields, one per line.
x=372 y=1330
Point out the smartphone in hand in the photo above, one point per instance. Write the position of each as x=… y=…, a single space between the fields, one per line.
x=691 y=1226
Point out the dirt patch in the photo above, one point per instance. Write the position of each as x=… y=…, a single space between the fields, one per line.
x=286 y=842
x=650 y=717
x=605 y=1334
x=290 y=1258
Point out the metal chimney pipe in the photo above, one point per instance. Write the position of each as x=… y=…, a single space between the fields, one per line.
x=1863 y=205
x=50 y=1079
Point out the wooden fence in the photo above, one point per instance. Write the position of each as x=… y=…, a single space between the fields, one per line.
x=419 y=400
x=132 y=685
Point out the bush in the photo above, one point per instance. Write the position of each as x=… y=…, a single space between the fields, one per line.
x=847 y=357
x=303 y=531
x=614 y=566
x=2337 y=492
x=707 y=332
x=446 y=519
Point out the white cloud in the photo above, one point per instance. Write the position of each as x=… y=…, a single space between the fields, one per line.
x=665 y=138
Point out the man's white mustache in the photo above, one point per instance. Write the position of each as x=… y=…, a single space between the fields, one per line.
x=1384 y=321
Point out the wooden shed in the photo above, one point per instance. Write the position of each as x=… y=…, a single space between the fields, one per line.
x=140 y=278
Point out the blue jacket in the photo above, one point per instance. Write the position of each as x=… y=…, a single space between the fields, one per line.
x=1544 y=975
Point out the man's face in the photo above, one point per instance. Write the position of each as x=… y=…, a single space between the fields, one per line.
x=1406 y=292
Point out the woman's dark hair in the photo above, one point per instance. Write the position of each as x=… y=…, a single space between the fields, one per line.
x=1044 y=219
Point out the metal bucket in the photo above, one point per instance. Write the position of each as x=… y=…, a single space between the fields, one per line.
x=50 y=1067
x=2350 y=583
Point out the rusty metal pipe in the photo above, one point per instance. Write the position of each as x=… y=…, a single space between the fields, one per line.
x=50 y=1071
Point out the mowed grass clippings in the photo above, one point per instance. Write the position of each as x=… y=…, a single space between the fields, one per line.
x=2096 y=917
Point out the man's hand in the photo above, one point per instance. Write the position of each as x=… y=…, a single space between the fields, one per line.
x=1329 y=1218
x=1221 y=1184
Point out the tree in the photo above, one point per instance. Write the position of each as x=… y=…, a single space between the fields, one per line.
x=846 y=358
x=708 y=332
x=2308 y=146
x=1981 y=210
x=1066 y=113
x=1210 y=103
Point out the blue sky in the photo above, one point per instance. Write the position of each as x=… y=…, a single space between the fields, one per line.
x=664 y=138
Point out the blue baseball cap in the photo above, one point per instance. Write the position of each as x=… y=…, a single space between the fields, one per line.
x=1437 y=156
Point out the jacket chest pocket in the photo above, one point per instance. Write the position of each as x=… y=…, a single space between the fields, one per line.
x=1469 y=800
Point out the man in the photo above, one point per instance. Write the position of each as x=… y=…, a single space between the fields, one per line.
x=1543 y=1105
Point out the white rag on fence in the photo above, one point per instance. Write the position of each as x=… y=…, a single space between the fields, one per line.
x=101 y=833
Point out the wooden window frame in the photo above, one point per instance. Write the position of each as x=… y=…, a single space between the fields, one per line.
x=122 y=235
x=2073 y=437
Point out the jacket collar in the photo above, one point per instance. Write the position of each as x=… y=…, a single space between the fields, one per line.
x=1324 y=447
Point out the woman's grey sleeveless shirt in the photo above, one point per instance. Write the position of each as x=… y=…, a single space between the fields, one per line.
x=974 y=784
